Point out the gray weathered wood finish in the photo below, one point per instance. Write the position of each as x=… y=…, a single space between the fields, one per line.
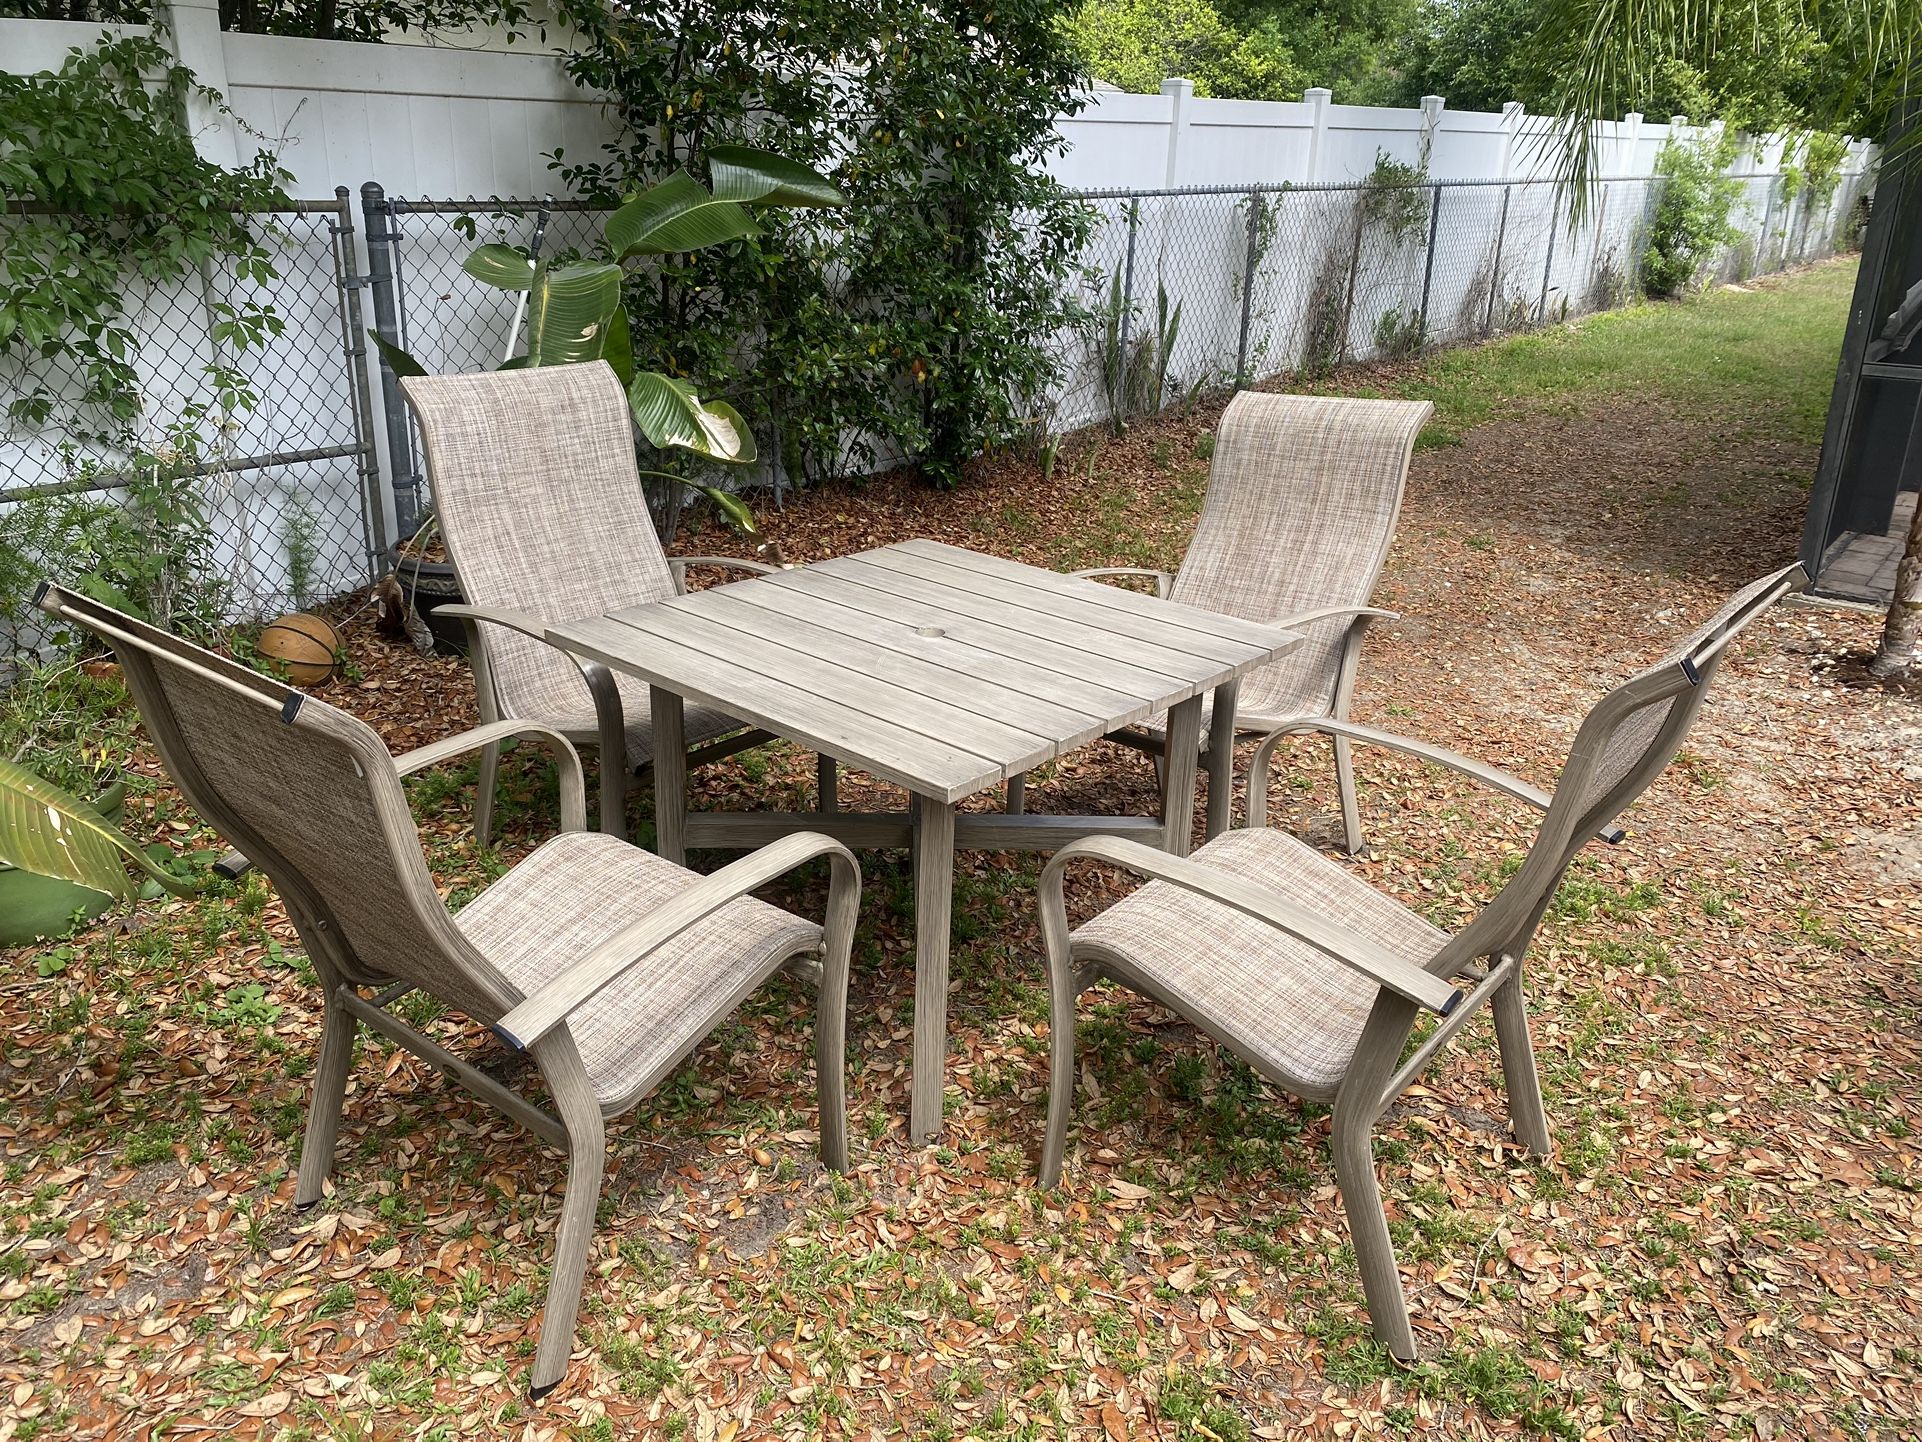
x=945 y=672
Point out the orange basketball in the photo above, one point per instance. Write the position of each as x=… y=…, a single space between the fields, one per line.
x=307 y=646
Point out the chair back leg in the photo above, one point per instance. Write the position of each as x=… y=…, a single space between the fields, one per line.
x=1368 y=1224
x=324 y=1106
x=1519 y=1077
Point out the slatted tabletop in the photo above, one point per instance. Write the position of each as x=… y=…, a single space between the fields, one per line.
x=943 y=670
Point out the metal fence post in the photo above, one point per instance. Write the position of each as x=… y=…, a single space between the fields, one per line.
x=1428 y=266
x=1548 y=263
x=382 y=237
x=1127 y=309
x=353 y=335
x=1762 y=244
x=1248 y=283
x=1354 y=267
x=1495 y=276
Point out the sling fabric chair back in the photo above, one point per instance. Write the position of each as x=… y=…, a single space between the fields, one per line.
x=310 y=795
x=541 y=506
x=1303 y=496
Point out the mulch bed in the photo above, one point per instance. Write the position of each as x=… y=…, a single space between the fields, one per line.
x=1725 y=1006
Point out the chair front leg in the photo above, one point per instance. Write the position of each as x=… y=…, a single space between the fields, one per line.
x=1368 y=1224
x=1352 y=841
x=580 y=1114
x=1063 y=991
x=610 y=725
x=336 y=1059
x=1357 y=1106
x=1526 y=1114
x=831 y=1010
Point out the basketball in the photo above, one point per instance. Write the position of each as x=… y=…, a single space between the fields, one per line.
x=307 y=646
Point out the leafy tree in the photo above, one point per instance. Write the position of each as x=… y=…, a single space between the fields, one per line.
x=1351 y=46
x=917 y=321
x=1135 y=44
x=1784 y=74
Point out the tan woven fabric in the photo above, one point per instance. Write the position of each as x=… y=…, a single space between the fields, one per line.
x=540 y=503
x=303 y=789
x=1303 y=495
x=581 y=888
x=1276 y=998
x=1628 y=746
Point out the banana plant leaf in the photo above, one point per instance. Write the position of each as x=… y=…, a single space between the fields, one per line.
x=500 y=265
x=398 y=361
x=51 y=833
x=669 y=413
x=569 y=312
x=732 y=507
x=618 y=348
x=676 y=215
x=760 y=177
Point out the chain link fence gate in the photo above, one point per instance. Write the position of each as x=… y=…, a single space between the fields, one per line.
x=289 y=486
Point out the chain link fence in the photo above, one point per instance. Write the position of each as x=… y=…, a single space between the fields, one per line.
x=1192 y=289
x=276 y=495
x=1182 y=291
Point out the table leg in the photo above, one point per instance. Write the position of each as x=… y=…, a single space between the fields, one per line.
x=1178 y=789
x=827 y=784
x=1221 y=757
x=933 y=913
x=670 y=774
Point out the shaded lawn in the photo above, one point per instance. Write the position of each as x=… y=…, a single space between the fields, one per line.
x=1725 y=1010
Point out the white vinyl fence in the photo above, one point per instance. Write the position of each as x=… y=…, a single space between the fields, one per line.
x=1255 y=217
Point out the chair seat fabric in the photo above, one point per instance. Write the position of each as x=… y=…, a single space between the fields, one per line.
x=581 y=888
x=1276 y=999
x=562 y=702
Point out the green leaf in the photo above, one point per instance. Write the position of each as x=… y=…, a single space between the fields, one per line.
x=670 y=414
x=500 y=265
x=732 y=507
x=760 y=177
x=676 y=215
x=618 y=349
x=52 y=833
x=570 y=311
x=398 y=361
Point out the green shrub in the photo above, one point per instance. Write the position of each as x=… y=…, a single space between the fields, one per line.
x=1690 y=223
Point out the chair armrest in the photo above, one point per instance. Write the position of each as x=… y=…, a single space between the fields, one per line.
x=1362 y=615
x=1350 y=948
x=679 y=564
x=1162 y=579
x=526 y=622
x=1490 y=776
x=580 y=983
x=610 y=716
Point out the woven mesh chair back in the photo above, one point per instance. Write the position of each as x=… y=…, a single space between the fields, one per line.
x=540 y=503
x=1625 y=742
x=310 y=795
x=1303 y=495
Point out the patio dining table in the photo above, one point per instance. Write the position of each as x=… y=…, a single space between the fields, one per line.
x=947 y=672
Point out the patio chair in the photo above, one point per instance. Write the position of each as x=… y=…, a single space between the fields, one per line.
x=605 y=963
x=1315 y=979
x=1303 y=494
x=540 y=503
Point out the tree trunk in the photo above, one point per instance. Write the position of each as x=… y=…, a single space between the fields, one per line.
x=1904 y=629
